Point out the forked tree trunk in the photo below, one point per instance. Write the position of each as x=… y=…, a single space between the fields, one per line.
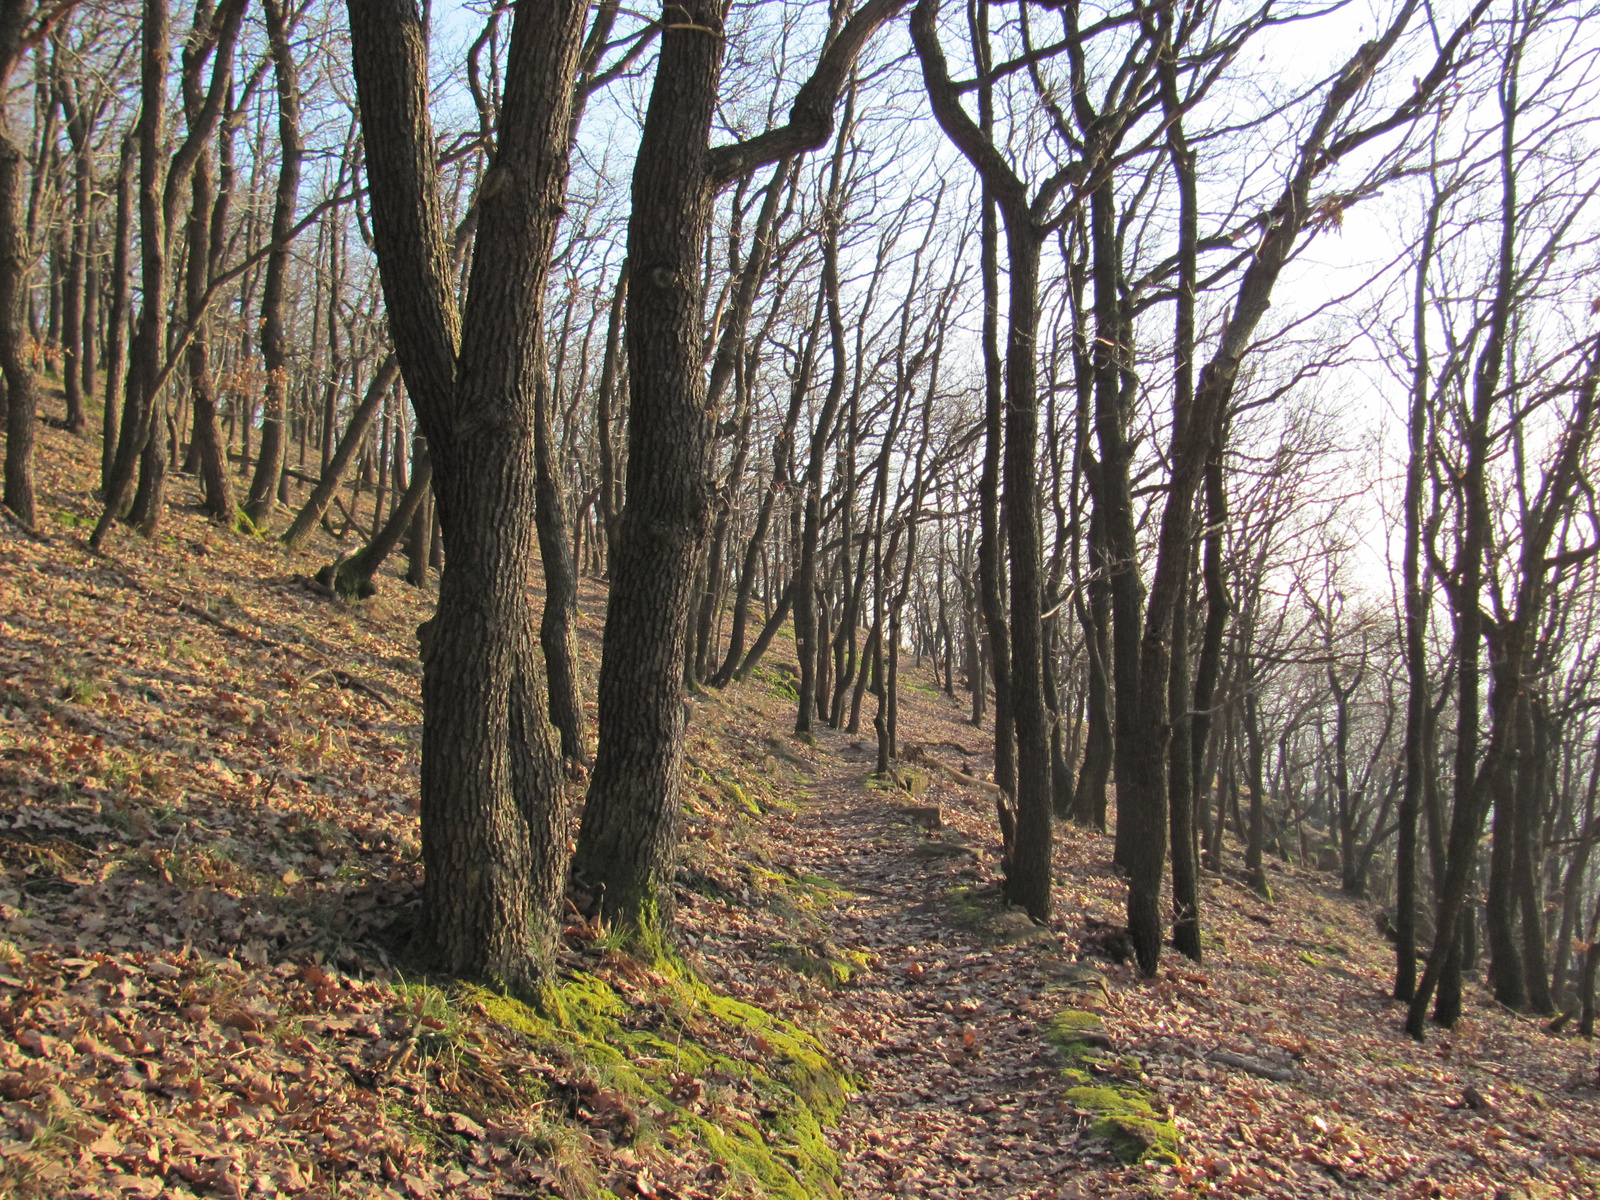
x=493 y=817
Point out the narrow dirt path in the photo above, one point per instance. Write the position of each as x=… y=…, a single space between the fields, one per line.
x=961 y=1094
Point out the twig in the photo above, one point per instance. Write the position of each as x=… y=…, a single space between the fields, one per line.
x=24 y=526
x=1252 y=1066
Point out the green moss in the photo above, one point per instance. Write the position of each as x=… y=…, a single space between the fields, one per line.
x=1125 y=1120
x=1138 y=1139
x=1107 y=1100
x=643 y=1052
x=822 y=960
x=967 y=908
x=823 y=887
x=1078 y=1036
x=738 y=795
x=1070 y=1023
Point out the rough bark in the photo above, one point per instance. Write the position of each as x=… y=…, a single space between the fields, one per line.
x=493 y=817
x=628 y=839
x=15 y=260
x=628 y=842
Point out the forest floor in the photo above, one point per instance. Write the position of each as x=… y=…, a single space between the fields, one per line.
x=209 y=850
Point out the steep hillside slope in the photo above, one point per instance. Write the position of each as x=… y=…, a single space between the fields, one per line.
x=207 y=829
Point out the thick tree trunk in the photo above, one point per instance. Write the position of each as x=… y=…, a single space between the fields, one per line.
x=628 y=839
x=628 y=842
x=493 y=817
x=21 y=399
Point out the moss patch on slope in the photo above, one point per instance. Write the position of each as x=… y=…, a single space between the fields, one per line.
x=1121 y=1115
x=753 y=1091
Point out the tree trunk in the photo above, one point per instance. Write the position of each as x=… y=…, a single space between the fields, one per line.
x=352 y=577
x=493 y=816
x=138 y=429
x=117 y=314
x=73 y=289
x=1531 y=750
x=216 y=483
x=21 y=399
x=164 y=178
x=628 y=842
x=274 y=342
x=556 y=626
x=768 y=632
x=809 y=631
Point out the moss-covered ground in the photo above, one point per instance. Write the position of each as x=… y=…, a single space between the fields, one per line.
x=1121 y=1112
x=663 y=1060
